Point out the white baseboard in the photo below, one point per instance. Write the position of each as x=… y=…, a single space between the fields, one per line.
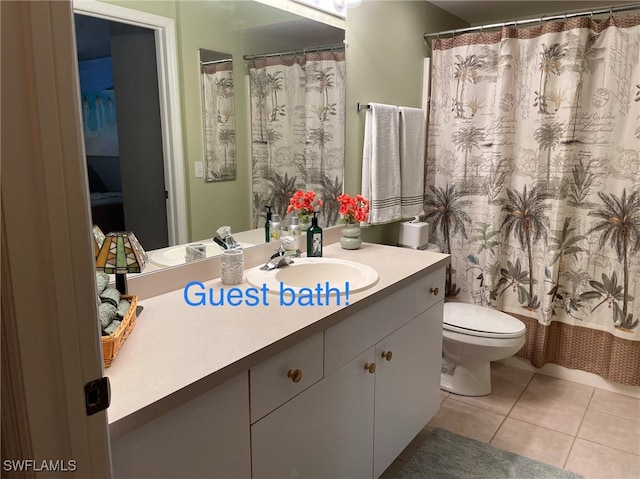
x=574 y=375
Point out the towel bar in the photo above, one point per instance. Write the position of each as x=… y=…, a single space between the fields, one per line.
x=366 y=106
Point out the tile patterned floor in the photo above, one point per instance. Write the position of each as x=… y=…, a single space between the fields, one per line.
x=590 y=431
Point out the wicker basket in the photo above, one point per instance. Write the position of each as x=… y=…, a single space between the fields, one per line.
x=111 y=344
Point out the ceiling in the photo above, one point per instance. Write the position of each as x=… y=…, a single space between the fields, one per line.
x=305 y=33
x=480 y=12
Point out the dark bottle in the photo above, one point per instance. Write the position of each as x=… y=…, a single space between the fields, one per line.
x=267 y=225
x=314 y=238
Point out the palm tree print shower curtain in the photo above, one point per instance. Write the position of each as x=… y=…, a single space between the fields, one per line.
x=533 y=184
x=297 y=130
x=218 y=113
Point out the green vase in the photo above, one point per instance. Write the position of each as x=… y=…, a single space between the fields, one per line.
x=350 y=238
x=305 y=223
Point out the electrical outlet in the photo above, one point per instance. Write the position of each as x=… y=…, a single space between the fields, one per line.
x=199 y=169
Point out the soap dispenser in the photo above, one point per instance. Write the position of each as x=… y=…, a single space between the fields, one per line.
x=294 y=229
x=267 y=225
x=274 y=227
x=314 y=238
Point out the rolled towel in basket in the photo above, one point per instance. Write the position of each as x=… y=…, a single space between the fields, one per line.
x=110 y=295
x=102 y=281
x=112 y=327
x=123 y=307
x=107 y=312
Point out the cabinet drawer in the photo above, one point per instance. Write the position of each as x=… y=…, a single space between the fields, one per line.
x=429 y=290
x=345 y=340
x=276 y=380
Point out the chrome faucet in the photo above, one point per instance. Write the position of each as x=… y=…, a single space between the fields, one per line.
x=284 y=254
x=224 y=238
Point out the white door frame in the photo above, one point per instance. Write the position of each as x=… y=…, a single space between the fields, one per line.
x=48 y=267
x=170 y=111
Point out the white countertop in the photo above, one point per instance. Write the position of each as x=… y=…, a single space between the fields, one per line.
x=177 y=351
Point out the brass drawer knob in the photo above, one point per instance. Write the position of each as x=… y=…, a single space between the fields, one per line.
x=371 y=367
x=387 y=355
x=434 y=291
x=295 y=375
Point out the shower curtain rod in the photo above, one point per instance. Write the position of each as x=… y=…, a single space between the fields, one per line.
x=564 y=16
x=296 y=52
x=212 y=62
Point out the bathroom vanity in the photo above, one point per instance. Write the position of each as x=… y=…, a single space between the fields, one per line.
x=282 y=391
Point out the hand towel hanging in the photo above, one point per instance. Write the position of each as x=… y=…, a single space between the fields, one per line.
x=412 y=146
x=381 y=181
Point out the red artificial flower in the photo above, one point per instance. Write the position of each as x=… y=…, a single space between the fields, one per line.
x=354 y=209
x=304 y=202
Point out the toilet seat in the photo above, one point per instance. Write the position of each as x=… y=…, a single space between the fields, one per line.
x=481 y=321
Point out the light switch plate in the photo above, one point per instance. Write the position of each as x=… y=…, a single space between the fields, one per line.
x=199 y=169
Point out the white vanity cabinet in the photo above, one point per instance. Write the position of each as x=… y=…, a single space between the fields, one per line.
x=341 y=401
x=408 y=373
x=205 y=437
x=407 y=391
x=380 y=388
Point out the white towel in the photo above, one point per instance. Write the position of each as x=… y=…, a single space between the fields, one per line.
x=412 y=138
x=381 y=163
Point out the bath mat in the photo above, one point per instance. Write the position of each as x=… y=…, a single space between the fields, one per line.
x=445 y=455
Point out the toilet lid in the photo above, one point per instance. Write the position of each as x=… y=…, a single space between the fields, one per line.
x=480 y=321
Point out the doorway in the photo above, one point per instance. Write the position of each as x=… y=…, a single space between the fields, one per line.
x=122 y=128
x=164 y=33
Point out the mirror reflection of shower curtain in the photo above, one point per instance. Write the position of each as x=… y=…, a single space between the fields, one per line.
x=297 y=130
x=534 y=170
x=219 y=121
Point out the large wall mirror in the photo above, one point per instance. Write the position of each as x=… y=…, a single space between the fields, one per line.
x=243 y=29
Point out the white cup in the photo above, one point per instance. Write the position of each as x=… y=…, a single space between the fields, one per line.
x=231 y=266
x=195 y=251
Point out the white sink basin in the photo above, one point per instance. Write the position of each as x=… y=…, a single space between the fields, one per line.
x=175 y=255
x=309 y=273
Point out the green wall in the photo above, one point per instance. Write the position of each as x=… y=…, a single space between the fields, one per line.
x=385 y=57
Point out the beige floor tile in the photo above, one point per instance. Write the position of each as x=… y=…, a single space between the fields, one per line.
x=415 y=443
x=616 y=404
x=595 y=461
x=612 y=431
x=510 y=375
x=393 y=470
x=534 y=442
x=560 y=390
x=469 y=421
x=507 y=384
x=547 y=414
x=541 y=411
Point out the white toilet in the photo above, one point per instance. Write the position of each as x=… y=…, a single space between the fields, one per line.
x=472 y=337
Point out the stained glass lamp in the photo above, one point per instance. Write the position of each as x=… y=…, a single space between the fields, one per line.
x=121 y=253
